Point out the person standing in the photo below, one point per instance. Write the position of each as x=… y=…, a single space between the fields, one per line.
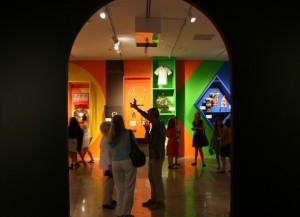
x=178 y=132
x=157 y=137
x=215 y=140
x=198 y=128
x=172 y=143
x=105 y=165
x=124 y=173
x=73 y=136
x=79 y=145
x=86 y=139
x=225 y=145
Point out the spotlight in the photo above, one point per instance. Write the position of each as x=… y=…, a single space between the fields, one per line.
x=193 y=19
x=103 y=13
x=117 y=44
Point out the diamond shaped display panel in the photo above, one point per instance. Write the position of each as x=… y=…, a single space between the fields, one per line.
x=214 y=102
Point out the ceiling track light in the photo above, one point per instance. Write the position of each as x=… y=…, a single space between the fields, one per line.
x=115 y=39
x=117 y=44
x=191 y=17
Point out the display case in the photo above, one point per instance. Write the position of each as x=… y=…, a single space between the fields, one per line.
x=164 y=86
x=214 y=101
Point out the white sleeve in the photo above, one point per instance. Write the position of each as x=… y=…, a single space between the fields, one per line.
x=156 y=71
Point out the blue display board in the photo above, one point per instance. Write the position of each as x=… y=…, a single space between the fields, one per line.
x=214 y=101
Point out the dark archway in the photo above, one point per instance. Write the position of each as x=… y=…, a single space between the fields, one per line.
x=200 y=9
x=264 y=44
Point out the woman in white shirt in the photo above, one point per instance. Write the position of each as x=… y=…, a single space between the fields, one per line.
x=86 y=139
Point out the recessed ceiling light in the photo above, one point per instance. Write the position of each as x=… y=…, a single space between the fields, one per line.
x=102 y=15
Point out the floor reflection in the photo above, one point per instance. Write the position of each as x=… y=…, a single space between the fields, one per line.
x=190 y=191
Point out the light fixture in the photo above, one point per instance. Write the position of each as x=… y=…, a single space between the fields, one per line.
x=117 y=44
x=102 y=13
x=191 y=17
x=115 y=39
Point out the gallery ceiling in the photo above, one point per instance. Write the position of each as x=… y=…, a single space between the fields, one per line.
x=178 y=37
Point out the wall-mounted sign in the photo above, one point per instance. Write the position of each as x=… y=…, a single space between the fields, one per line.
x=80 y=100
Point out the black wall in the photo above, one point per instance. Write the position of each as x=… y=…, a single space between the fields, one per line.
x=114 y=81
x=36 y=39
x=114 y=87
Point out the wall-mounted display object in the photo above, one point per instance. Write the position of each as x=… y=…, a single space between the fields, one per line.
x=163 y=102
x=164 y=86
x=138 y=88
x=79 y=98
x=214 y=101
x=162 y=72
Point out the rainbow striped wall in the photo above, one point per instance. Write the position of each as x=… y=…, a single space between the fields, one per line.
x=192 y=77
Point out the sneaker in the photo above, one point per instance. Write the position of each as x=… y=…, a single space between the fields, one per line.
x=114 y=202
x=194 y=164
x=91 y=161
x=108 y=206
x=204 y=165
x=148 y=203
x=157 y=206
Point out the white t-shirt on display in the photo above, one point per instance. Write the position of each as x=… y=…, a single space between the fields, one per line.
x=162 y=73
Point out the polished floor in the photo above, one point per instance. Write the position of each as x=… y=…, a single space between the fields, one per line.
x=191 y=191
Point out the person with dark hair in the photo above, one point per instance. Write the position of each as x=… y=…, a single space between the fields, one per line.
x=157 y=137
x=198 y=128
x=225 y=144
x=215 y=140
x=124 y=172
x=73 y=137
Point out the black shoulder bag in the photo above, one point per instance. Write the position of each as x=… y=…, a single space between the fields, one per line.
x=137 y=156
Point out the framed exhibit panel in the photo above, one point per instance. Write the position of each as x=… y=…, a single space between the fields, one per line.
x=138 y=88
x=214 y=101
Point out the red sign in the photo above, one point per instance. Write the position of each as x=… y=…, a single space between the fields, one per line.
x=80 y=100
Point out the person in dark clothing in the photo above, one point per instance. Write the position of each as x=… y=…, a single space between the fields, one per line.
x=157 y=137
x=73 y=136
x=198 y=128
x=79 y=145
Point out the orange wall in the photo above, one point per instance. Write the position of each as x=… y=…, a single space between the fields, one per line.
x=137 y=84
x=95 y=73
